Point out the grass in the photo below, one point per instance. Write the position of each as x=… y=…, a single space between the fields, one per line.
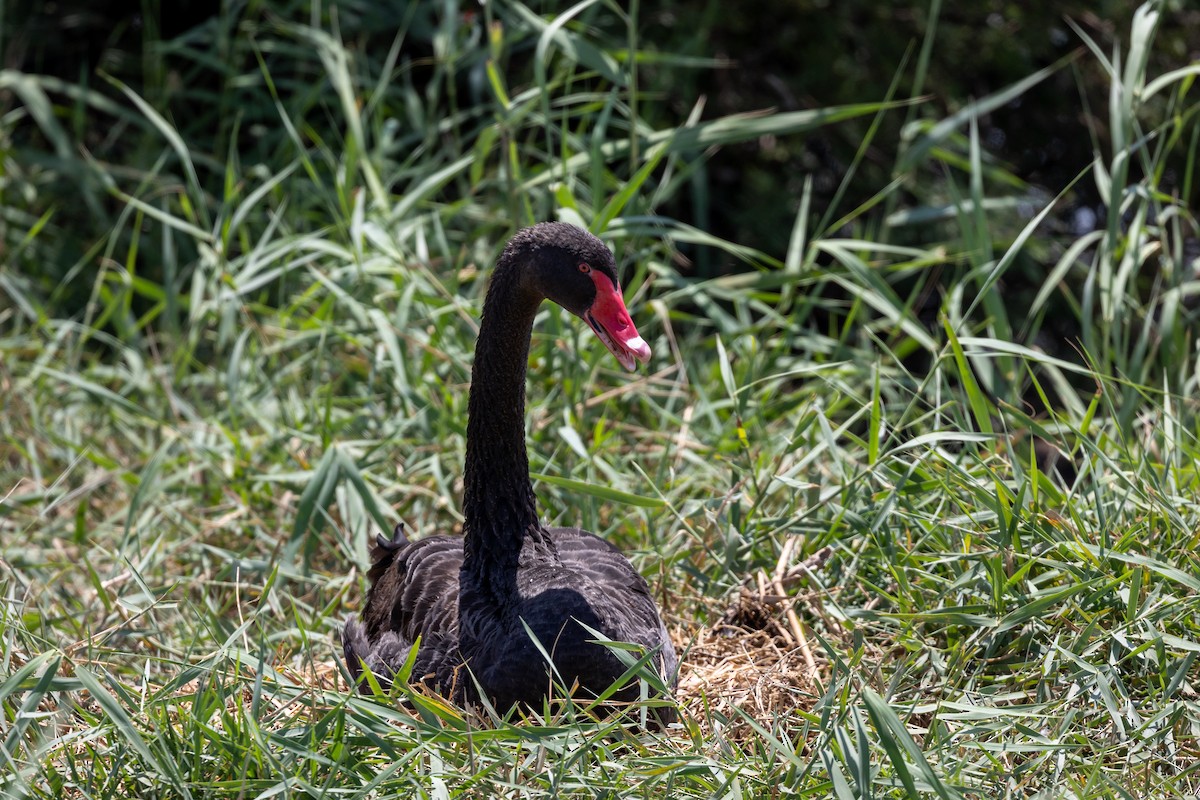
x=254 y=354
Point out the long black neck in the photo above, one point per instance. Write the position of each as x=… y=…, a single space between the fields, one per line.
x=499 y=507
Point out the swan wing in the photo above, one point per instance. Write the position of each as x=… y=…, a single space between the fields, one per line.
x=414 y=594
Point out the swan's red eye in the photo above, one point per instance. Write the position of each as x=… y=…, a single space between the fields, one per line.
x=585 y=269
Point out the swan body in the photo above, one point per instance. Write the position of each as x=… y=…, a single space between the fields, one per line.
x=487 y=607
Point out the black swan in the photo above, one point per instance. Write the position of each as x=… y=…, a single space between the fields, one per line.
x=475 y=601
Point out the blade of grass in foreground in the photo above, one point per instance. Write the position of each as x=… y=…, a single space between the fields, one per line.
x=601 y=492
x=115 y=715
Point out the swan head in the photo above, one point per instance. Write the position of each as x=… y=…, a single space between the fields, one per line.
x=574 y=269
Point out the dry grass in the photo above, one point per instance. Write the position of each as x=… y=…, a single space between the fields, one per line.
x=756 y=660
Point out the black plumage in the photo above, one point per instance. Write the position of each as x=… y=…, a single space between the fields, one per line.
x=475 y=600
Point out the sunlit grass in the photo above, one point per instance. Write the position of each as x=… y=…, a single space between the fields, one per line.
x=263 y=360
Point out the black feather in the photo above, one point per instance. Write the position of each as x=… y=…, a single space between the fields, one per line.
x=397 y=541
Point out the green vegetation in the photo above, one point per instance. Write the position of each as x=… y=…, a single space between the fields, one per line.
x=237 y=311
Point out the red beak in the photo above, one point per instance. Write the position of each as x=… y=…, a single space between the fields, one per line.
x=610 y=320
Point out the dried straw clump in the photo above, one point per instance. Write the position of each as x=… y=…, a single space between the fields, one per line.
x=756 y=659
